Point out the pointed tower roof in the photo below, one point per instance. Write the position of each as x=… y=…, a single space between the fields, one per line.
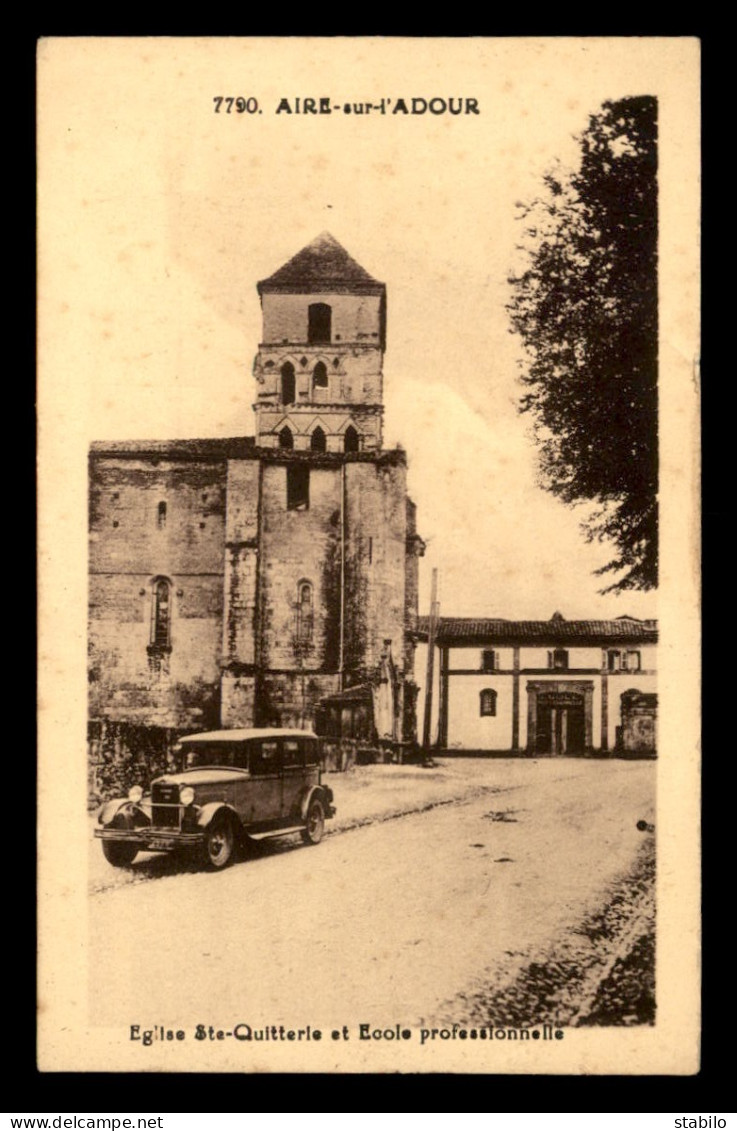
x=324 y=265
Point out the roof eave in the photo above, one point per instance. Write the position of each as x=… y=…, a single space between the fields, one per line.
x=322 y=287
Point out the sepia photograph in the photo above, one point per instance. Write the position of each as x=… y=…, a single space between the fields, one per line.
x=369 y=555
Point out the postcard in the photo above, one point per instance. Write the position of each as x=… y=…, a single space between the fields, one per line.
x=369 y=555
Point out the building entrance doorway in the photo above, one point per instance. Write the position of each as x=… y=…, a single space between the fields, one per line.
x=560 y=728
x=560 y=716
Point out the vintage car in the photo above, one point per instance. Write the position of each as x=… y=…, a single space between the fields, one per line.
x=234 y=786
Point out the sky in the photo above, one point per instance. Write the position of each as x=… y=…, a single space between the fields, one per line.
x=158 y=217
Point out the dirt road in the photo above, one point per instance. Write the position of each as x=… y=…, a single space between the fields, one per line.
x=405 y=920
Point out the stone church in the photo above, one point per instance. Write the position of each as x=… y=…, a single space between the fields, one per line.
x=259 y=581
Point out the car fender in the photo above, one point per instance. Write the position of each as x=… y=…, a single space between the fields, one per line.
x=314 y=791
x=122 y=806
x=213 y=809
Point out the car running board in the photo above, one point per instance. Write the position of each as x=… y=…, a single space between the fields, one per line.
x=275 y=832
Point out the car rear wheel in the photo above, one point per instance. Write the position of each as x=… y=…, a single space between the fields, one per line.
x=220 y=843
x=118 y=853
x=315 y=824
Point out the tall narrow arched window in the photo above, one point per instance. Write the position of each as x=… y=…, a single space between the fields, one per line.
x=319 y=319
x=286 y=439
x=287 y=383
x=487 y=703
x=318 y=443
x=305 y=613
x=350 y=439
x=320 y=375
x=161 y=613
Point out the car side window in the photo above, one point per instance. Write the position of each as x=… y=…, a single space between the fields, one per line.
x=311 y=753
x=292 y=754
x=264 y=758
x=240 y=757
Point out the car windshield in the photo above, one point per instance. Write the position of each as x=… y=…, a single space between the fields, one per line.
x=212 y=754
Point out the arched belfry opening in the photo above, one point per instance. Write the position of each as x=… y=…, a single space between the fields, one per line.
x=286 y=439
x=319 y=323
x=287 y=383
x=318 y=442
x=320 y=375
x=350 y=439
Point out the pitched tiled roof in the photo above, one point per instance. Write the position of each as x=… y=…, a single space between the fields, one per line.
x=324 y=265
x=469 y=630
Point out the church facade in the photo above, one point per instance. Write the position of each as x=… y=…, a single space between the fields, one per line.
x=245 y=581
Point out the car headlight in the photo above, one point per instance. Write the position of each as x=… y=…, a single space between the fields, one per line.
x=186 y=795
x=135 y=793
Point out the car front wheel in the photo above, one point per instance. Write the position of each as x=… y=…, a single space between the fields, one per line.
x=220 y=843
x=315 y=824
x=118 y=853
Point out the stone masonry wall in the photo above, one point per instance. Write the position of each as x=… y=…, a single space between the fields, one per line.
x=238 y=699
x=131 y=543
x=376 y=525
x=238 y=688
x=241 y=562
x=355 y=318
x=290 y=699
x=299 y=545
x=305 y=545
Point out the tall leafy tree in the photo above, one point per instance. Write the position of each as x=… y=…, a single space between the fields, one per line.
x=585 y=305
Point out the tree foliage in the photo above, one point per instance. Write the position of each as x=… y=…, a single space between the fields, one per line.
x=585 y=305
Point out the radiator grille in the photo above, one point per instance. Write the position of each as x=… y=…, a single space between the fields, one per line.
x=165 y=807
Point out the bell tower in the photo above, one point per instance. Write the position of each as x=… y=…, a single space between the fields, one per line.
x=319 y=364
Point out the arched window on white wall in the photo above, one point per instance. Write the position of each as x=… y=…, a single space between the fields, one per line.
x=487 y=703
